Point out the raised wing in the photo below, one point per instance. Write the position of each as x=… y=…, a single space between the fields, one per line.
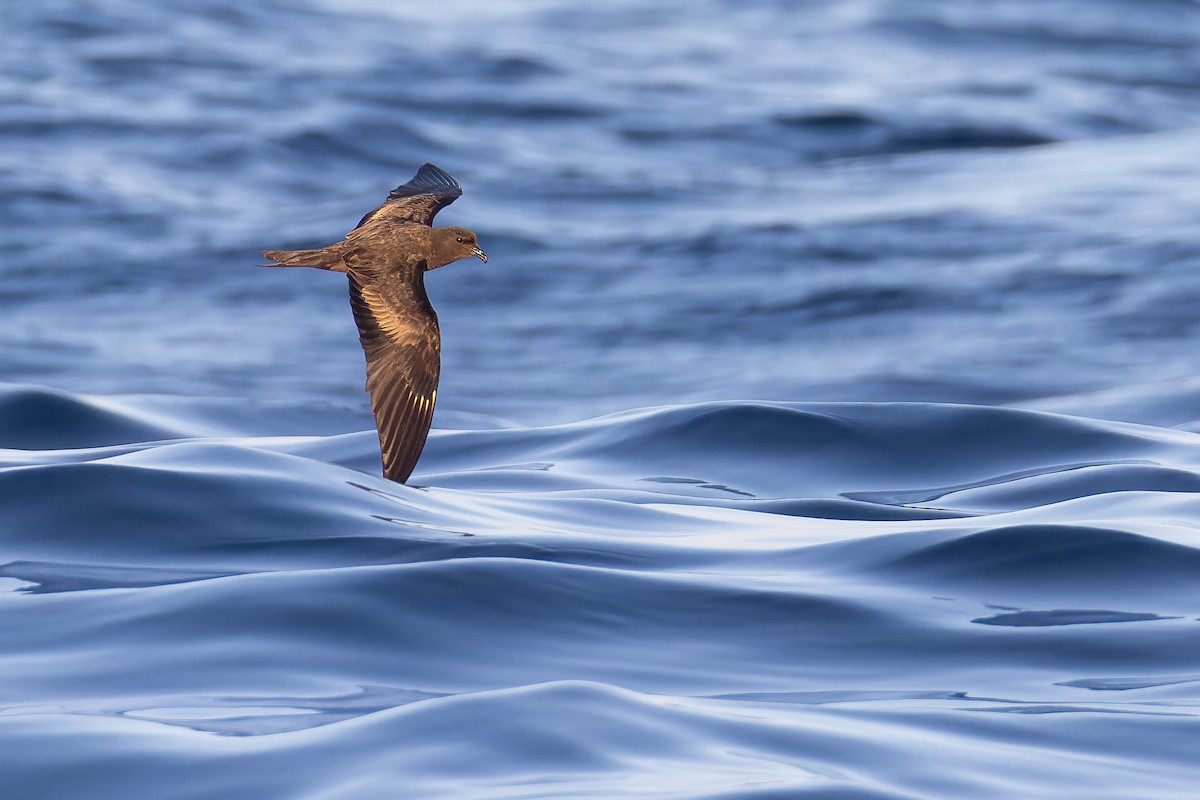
x=419 y=200
x=403 y=364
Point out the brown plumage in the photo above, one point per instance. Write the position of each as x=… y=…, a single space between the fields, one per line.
x=386 y=258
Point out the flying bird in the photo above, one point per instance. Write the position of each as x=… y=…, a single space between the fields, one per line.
x=386 y=257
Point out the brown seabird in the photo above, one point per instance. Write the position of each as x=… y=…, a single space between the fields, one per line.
x=386 y=258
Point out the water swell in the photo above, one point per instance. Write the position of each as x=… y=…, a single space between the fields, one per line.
x=615 y=573
x=210 y=594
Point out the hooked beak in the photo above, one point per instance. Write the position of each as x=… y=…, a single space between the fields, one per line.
x=482 y=256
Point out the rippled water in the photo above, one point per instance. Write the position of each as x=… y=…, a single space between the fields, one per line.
x=890 y=307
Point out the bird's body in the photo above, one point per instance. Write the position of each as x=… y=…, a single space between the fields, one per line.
x=386 y=258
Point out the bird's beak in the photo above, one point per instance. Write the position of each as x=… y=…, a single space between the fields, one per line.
x=482 y=256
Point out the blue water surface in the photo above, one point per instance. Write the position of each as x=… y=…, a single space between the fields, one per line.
x=826 y=423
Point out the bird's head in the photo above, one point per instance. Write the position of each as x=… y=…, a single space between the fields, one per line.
x=451 y=244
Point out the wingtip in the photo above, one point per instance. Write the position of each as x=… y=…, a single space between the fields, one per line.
x=434 y=171
x=432 y=176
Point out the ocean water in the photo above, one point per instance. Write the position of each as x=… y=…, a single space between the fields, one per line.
x=826 y=423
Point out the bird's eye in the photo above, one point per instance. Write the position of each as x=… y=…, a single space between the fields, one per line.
x=459 y=240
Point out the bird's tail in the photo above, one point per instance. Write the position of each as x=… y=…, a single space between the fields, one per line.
x=324 y=258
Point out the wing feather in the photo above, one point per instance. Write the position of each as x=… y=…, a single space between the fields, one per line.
x=419 y=200
x=403 y=365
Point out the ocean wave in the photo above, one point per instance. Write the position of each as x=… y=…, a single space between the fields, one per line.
x=209 y=591
x=690 y=597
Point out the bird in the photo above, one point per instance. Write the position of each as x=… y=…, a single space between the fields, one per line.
x=385 y=258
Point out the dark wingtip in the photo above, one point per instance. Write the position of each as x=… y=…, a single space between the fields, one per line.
x=429 y=176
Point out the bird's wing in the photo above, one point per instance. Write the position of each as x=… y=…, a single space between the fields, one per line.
x=419 y=200
x=402 y=348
